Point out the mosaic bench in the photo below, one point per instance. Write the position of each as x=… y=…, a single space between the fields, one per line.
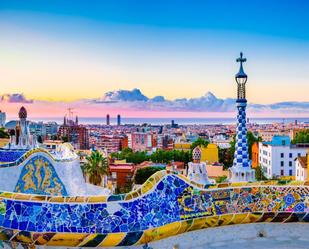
x=166 y=205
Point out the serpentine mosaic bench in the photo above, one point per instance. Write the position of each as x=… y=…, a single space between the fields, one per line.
x=166 y=205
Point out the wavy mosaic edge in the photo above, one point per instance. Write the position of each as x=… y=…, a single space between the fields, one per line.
x=142 y=237
x=29 y=153
x=144 y=189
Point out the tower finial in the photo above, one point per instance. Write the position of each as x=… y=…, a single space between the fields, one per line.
x=241 y=78
x=241 y=59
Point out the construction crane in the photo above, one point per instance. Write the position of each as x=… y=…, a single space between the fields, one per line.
x=70 y=111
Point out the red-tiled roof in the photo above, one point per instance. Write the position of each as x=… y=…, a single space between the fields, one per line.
x=303 y=161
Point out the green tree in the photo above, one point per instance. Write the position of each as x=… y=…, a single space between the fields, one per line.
x=4 y=133
x=130 y=156
x=259 y=174
x=301 y=137
x=199 y=142
x=226 y=157
x=143 y=174
x=65 y=139
x=221 y=179
x=159 y=156
x=96 y=167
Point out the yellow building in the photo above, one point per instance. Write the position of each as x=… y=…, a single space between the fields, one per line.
x=182 y=146
x=210 y=154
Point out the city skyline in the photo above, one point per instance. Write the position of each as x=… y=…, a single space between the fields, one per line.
x=53 y=58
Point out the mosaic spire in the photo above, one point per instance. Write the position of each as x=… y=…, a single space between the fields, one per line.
x=241 y=156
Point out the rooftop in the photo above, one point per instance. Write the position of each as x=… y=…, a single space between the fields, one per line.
x=303 y=161
x=279 y=141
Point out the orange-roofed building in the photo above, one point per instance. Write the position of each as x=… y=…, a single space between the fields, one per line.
x=122 y=173
x=255 y=155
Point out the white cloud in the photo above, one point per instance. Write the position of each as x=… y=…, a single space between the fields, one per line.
x=135 y=100
x=15 y=98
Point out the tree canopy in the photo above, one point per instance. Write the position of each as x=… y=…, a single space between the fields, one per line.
x=199 y=142
x=96 y=166
x=4 y=133
x=160 y=156
x=143 y=174
x=301 y=137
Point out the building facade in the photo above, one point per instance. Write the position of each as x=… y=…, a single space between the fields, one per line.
x=277 y=158
x=255 y=155
x=140 y=141
x=301 y=168
x=76 y=134
x=210 y=154
x=111 y=143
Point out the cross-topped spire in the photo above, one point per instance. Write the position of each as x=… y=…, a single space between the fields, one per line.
x=241 y=59
x=241 y=78
x=241 y=74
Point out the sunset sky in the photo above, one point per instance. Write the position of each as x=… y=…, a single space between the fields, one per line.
x=71 y=50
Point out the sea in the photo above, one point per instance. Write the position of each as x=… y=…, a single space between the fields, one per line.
x=180 y=121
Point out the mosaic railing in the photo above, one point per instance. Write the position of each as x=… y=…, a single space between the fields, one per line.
x=29 y=153
x=166 y=205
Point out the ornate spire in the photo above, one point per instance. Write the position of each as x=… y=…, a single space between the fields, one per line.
x=241 y=170
x=241 y=79
x=22 y=113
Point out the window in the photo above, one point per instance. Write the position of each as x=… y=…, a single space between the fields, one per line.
x=290 y=155
x=290 y=172
x=282 y=172
x=282 y=163
x=290 y=163
x=282 y=155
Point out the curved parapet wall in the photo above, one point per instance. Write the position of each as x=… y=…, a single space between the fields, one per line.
x=19 y=156
x=166 y=205
x=39 y=172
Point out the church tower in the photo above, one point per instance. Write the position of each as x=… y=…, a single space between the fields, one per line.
x=241 y=170
x=21 y=137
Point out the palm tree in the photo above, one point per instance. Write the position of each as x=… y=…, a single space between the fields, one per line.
x=96 y=167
